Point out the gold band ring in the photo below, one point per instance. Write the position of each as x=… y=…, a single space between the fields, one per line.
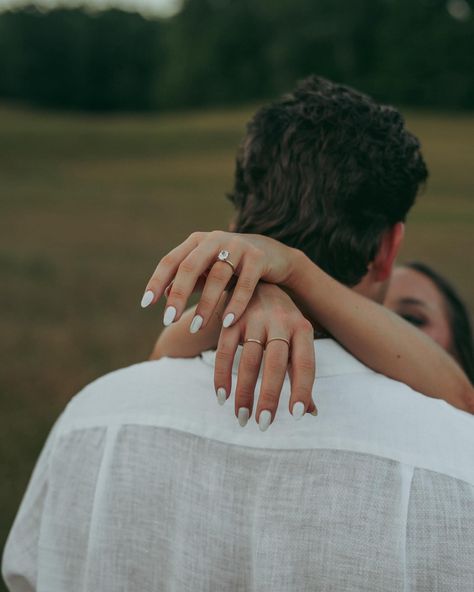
x=224 y=256
x=250 y=340
x=279 y=339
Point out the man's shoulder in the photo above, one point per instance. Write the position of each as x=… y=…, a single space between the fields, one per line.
x=139 y=388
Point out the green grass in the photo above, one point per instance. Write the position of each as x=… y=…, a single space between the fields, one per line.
x=88 y=205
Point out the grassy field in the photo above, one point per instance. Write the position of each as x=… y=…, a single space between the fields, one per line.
x=87 y=207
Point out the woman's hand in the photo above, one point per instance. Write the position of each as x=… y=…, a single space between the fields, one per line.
x=273 y=331
x=196 y=261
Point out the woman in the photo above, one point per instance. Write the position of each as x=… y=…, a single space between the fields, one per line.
x=425 y=299
x=382 y=340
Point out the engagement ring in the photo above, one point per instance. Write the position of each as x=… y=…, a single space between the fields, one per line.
x=224 y=256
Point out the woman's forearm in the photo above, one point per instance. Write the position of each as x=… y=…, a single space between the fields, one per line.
x=378 y=337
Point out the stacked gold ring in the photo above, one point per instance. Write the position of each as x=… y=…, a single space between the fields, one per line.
x=279 y=339
x=250 y=340
x=264 y=345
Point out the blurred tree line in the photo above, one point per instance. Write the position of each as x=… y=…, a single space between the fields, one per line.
x=215 y=52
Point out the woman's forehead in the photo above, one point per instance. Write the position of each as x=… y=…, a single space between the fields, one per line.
x=413 y=287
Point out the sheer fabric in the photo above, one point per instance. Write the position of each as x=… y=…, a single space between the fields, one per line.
x=147 y=484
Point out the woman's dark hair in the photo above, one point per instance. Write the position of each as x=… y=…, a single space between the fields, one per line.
x=327 y=170
x=458 y=316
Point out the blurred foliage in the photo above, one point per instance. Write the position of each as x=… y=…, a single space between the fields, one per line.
x=216 y=52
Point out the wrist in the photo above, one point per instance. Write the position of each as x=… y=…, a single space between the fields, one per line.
x=298 y=264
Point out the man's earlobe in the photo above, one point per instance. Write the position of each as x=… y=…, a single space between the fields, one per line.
x=389 y=246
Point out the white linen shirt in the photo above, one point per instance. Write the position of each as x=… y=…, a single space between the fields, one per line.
x=146 y=484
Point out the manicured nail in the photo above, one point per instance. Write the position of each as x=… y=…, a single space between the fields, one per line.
x=228 y=320
x=221 y=395
x=298 y=410
x=315 y=412
x=264 y=420
x=168 y=290
x=169 y=315
x=147 y=298
x=243 y=416
x=196 y=324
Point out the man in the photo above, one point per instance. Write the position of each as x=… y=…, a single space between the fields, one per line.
x=144 y=484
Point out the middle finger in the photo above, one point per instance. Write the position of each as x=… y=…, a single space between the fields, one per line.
x=249 y=368
x=275 y=366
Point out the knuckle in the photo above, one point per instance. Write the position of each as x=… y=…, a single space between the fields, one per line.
x=304 y=325
x=220 y=378
x=251 y=362
x=219 y=273
x=205 y=303
x=299 y=393
x=244 y=393
x=268 y=397
x=239 y=300
x=187 y=266
x=197 y=235
x=177 y=293
x=245 y=284
x=275 y=364
x=168 y=261
x=280 y=312
x=256 y=255
x=216 y=234
x=235 y=242
x=304 y=363
x=224 y=355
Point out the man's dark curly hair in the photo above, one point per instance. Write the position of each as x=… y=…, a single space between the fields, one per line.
x=326 y=169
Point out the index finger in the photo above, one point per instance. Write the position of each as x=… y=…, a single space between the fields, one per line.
x=166 y=269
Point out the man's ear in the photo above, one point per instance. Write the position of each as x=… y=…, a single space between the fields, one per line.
x=388 y=251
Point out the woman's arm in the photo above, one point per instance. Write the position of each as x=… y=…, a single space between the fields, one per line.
x=378 y=337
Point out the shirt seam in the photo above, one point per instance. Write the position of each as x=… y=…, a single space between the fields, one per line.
x=349 y=446
x=110 y=437
x=407 y=472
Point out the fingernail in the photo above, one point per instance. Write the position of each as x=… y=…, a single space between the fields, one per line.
x=221 y=395
x=196 y=324
x=298 y=410
x=264 y=420
x=168 y=290
x=147 y=298
x=169 y=315
x=243 y=416
x=228 y=320
x=315 y=412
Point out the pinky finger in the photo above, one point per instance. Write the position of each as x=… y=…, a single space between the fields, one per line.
x=225 y=354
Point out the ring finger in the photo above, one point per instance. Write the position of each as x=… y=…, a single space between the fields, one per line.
x=194 y=265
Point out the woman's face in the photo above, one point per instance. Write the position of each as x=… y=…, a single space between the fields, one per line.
x=416 y=298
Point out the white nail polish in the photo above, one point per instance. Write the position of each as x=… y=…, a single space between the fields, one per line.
x=196 y=324
x=169 y=315
x=221 y=395
x=264 y=420
x=228 y=320
x=243 y=416
x=147 y=298
x=298 y=410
